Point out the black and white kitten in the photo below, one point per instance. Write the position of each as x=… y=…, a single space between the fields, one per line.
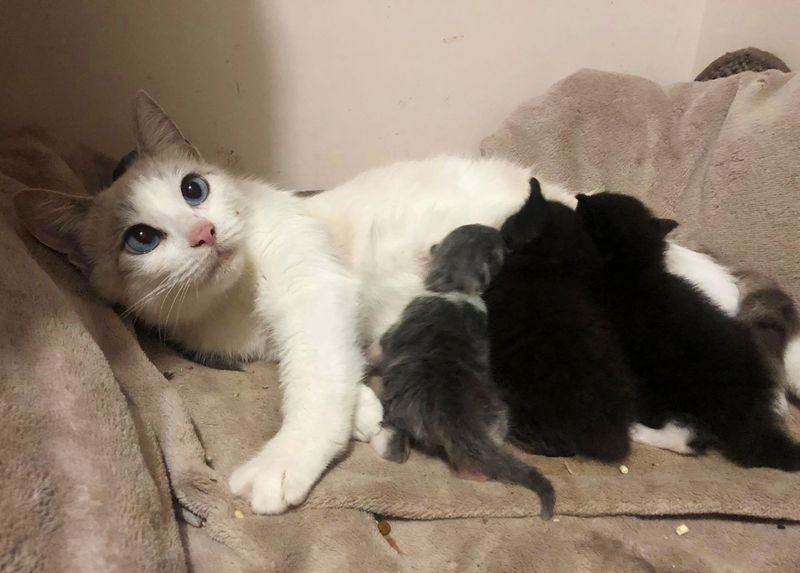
x=438 y=390
x=698 y=369
x=553 y=349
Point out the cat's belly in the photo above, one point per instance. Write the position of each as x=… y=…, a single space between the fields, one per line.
x=385 y=222
x=715 y=280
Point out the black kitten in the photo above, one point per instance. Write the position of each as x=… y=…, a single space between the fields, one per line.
x=438 y=389
x=696 y=366
x=553 y=349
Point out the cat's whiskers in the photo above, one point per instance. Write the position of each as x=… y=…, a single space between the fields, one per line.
x=177 y=299
x=159 y=322
x=158 y=289
x=179 y=279
x=184 y=282
x=182 y=296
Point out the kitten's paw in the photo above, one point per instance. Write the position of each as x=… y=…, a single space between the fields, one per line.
x=638 y=432
x=471 y=475
x=672 y=436
x=280 y=476
x=368 y=415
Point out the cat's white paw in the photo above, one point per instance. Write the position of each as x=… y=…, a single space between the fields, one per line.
x=381 y=442
x=279 y=477
x=368 y=415
x=391 y=444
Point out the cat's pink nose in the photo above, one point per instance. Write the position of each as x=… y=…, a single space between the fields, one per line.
x=203 y=234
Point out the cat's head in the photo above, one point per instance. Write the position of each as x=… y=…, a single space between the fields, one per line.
x=623 y=228
x=466 y=260
x=169 y=229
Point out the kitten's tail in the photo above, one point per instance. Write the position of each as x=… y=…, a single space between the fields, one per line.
x=483 y=455
x=765 y=444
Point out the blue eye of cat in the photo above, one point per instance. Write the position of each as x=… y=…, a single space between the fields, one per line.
x=141 y=239
x=194 y=189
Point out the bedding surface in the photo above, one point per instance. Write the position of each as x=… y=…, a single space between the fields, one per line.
x=115 y=451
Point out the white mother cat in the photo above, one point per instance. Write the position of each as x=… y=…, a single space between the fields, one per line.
x=234 y=267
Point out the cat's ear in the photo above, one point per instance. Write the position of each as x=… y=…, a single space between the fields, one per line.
x=127 y=160
x=156 y=132
x=56 y=219
x=529 y=222
x=665 y=226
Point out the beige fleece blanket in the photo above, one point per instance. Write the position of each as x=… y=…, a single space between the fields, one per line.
x=721 y=157
x=95 y=438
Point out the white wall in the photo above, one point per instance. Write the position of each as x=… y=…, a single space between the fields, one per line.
x=307 y=93
x=728 y=25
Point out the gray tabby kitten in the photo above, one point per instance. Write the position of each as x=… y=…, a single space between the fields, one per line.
x=773 y=319
x=438 y=390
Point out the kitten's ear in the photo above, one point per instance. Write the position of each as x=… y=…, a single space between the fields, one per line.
x=583 y=199
x=433 y=249
x=529 y=222
x=666 y=226
x=156 y=132
x=584 y=205
x=56 y=220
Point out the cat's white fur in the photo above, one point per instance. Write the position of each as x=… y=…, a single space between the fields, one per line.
x=703 y=271
x=791 y=359
x=306 y=281
x=385 y=220
x=672 y=437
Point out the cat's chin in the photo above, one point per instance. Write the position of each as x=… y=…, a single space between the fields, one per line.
x=224 y=270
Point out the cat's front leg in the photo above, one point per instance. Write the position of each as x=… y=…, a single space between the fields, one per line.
x=313 y=313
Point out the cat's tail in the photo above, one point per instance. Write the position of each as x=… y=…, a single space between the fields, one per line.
x=484 y=456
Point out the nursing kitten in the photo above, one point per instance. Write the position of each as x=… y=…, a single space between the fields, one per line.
x=437 y=385
x=553 y=349
x=698 y=370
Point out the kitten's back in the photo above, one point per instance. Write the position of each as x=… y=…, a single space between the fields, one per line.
x=553 y=351
x=694 y=362
x=438 y=388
